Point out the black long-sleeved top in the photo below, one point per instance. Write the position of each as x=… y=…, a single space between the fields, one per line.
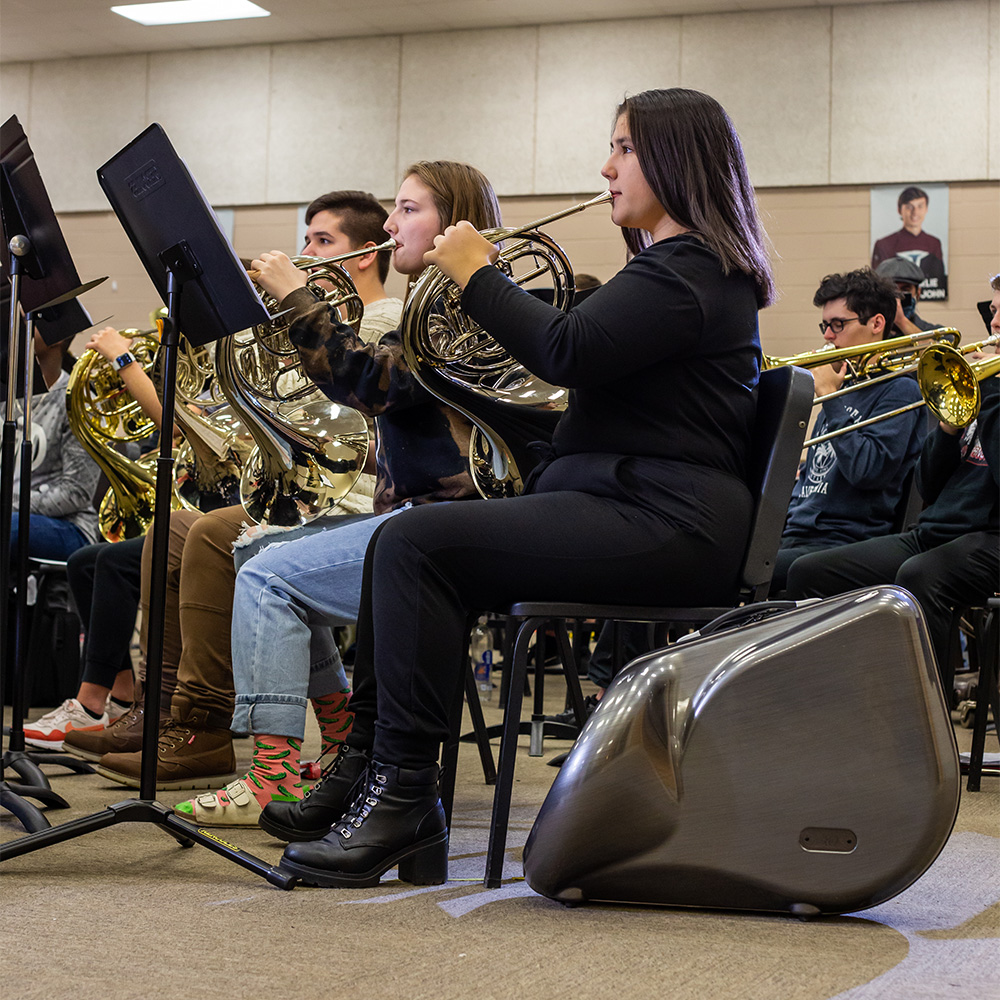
x=959 y=474
x=422 y=449
x=661 y=361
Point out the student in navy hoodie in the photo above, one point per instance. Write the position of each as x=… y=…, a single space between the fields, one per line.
x=951 y=558
x=849 y=487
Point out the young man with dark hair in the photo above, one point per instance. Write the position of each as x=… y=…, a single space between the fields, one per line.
x=911 y=242
x=341 y=221
x=951 y=558
x=849 y=487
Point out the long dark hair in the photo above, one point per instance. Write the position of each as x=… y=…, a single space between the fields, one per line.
x=692 y=160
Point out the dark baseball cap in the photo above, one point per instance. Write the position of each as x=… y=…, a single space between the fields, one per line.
x=901 y=271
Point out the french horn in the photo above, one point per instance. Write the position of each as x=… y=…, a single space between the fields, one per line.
x=102 y=415
x=462 y=365
x=309 y=450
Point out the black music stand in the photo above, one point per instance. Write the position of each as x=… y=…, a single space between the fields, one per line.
x=44 y=285
x=207 y=294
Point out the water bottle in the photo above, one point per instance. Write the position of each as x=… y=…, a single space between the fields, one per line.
x=481 y=653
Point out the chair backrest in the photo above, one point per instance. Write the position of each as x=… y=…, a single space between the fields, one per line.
x=911 y=503
x=784 y=404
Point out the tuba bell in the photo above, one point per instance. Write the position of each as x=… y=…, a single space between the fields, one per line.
x=460 y=363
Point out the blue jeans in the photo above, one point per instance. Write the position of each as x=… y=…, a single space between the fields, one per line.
x=49 y=537
x=288 y=596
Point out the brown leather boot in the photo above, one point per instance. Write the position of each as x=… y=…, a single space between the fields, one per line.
x=186 y=758
x=124 y=735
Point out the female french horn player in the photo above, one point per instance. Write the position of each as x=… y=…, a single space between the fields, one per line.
x=642 y=499
x=289 y=595
x=196 y=748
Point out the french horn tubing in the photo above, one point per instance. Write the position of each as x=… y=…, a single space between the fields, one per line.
x=102 y=415
x=209 y=461
x=309 y=450
x=461 y=364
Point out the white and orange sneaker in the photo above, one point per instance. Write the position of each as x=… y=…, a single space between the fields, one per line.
x=50 y=730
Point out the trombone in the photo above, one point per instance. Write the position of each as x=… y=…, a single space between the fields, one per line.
x=894 y=348
x=948 y=384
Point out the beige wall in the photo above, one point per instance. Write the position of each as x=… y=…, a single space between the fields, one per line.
x=828 y=101
x=814 y=231
x=857 y=94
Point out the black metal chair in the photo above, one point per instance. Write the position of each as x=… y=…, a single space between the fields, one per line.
x=784 y=402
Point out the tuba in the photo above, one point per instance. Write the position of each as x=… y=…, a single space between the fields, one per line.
x=103 y=415
x=462 y=365
x=309 y=450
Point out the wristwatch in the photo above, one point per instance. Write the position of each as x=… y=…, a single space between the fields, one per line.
x=122 y=360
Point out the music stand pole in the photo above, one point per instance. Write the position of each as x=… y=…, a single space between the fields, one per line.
x=180 y=267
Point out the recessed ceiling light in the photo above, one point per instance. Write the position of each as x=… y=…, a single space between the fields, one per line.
x=187 y=11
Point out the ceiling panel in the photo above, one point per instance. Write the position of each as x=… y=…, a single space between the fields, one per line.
x=58 y=29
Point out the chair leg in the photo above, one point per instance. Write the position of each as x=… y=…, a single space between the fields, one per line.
x=571 y=671
x=538 y=708
x=988 y=638
x=479 y=727
x=517 y=665
x=449 y=753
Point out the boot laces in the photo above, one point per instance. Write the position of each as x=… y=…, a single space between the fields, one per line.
x=330 y=771
x=172 y=735
x=367 y=797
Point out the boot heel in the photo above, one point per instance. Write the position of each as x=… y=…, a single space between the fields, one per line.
x=428 y=866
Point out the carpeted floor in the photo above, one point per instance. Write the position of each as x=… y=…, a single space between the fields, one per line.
x=125 y=913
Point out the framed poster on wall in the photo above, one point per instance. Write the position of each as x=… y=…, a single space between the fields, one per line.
x=911 y=221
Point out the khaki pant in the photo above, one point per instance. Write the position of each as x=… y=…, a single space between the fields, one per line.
x=199 y=609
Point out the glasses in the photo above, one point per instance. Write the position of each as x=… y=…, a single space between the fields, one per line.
x=837 y=325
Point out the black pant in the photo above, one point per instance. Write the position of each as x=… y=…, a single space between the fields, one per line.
x=430 y=568
x=635 y=638
x=942 y=577
x=105 y=580
x=790 y=550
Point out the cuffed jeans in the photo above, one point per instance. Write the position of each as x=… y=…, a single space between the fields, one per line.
x=287 y=599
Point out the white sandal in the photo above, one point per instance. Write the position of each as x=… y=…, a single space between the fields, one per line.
x=235 y=805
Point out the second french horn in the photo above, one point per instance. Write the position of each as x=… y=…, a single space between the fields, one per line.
x=310 y=450
x=103 y=416
x=460 y=363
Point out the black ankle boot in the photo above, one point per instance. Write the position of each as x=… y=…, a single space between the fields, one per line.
x=312 y=816
x=395 y=818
